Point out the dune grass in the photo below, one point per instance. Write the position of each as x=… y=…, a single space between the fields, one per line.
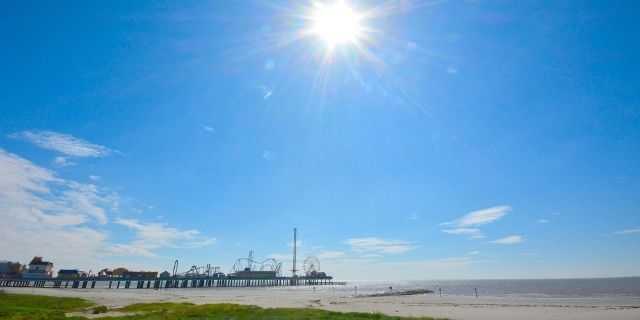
x=241 y=312
x=25 y=306
x=20 y=306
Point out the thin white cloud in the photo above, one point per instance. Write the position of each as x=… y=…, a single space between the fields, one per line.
x=473 y=253
x=628 y=231
x=377 y=245
x=267 y=155
x=63 y=143
x=94 y=177
x=542 y=221
x=153 y=235
x=470 y=232
x=266 y=92
x=480 y=217
x=207 y=128
x=413 y=216
x=62 y=161
x=330 y=254
x=468 y=224
x=452 y=70
x=509 y=240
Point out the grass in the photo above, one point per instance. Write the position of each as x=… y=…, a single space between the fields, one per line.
x=19 y=306
x=25 y=306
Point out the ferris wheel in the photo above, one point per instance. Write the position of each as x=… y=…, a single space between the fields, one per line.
x=311 y=265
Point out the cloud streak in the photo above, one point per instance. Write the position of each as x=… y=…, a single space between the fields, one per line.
x=509 y=240
x=628 y=231
x=377 y=245
x=468 y=224
x=63 y=143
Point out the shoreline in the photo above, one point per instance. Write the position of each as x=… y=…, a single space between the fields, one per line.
x=447 y=306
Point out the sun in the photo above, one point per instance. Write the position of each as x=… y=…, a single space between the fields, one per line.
x=336 y=23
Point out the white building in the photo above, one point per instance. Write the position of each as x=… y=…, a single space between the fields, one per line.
x=38 y=269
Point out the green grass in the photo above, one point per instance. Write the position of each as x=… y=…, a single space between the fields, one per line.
x=19 y=306
x=223 y=311
x=25 y=306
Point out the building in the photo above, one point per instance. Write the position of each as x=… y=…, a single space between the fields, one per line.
x=165 y=274
x=140 y=275
x=71 y=274
x=38 y=269
x=12 y=270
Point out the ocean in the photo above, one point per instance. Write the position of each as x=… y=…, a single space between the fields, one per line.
x=539 y=288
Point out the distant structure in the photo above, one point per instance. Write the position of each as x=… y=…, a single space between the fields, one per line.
x=295 y=243
x=119 y=272
x=38 y=269
x=9 y=269
x=165 y=275
x=69 y=274
x=105 y=273
x=140 y=275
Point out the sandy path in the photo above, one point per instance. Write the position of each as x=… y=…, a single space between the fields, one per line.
x=453 y=307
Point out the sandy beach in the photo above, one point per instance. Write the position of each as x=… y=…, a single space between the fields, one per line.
x=452 y=307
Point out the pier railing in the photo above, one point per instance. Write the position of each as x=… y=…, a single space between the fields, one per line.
x=166 y=283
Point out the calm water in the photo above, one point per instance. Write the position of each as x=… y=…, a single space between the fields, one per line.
x=556 y=288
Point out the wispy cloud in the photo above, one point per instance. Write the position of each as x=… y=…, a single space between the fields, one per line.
x=468 y=224
x=266 y=92
x=509 y=240
x=94 y=177
x=207 y=128
x=62 y=161
x=471 y=232
x=542 y=221
x=63 y=143
x=413 y=216
x=377 y=245
x=480 y=217
x=330 y=254
x=161 y=235
x=267 y=155
x=627 y=231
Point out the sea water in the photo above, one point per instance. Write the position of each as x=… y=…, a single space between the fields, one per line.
x=539 y=288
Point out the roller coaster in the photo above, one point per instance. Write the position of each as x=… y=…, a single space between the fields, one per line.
x=246 y=264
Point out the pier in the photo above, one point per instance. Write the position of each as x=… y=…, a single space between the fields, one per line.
x=166 y=283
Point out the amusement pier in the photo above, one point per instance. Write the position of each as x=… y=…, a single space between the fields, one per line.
x=246 y=272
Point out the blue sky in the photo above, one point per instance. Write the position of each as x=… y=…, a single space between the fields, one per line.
x=453 y=139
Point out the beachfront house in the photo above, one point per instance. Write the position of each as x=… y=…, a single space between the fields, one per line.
x=38 y=269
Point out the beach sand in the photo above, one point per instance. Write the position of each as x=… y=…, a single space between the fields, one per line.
x=452 y=307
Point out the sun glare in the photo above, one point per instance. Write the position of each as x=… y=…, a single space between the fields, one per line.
x=336 y=23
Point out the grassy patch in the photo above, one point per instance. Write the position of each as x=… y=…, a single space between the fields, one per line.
x=19 y=306
x=240 y=312
x=100 y=309
x=25 y=306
